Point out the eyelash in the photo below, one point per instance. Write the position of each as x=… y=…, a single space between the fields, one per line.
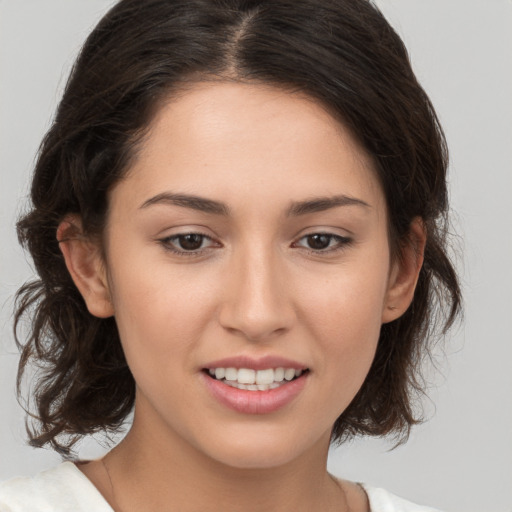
x=342 y=243
x=167 y=244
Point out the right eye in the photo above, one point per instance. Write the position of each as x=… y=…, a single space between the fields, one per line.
x=187 y=244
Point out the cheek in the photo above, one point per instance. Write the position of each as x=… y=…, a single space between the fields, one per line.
x=347 y=331
x=159 y=313
x=348 y=301
x=344 y=318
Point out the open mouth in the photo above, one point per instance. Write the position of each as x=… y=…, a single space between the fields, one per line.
x=255 y=380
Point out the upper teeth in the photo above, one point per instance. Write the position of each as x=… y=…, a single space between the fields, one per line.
x=249 y=376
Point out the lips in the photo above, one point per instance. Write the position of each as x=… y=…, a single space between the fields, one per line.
x=255 y=386
x=260 y=363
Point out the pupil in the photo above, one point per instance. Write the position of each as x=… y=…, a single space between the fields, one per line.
x=319 y=241
x=191 y=242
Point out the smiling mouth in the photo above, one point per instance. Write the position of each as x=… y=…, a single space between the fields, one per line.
x=255 y=380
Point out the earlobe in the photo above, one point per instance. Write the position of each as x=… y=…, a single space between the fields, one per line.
x=405 y=272
x=85 y=263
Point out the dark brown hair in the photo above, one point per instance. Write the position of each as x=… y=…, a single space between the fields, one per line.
x=342 y=53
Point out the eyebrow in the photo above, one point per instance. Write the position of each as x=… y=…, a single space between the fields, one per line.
x=320 y=204
x=189 y=201
x=297 y=208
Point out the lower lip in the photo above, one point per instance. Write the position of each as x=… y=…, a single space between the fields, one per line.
x=255 y=402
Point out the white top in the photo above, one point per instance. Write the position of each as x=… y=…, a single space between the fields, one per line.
x=66 y=489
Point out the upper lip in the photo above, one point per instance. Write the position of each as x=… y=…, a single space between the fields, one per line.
x=260 y=363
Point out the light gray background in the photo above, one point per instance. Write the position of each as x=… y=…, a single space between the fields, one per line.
x=461 y=460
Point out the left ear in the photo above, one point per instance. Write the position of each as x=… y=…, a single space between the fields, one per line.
x=404 y=272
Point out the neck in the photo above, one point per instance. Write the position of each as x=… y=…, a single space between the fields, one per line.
x=163 y=473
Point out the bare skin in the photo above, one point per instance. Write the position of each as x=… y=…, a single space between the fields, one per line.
x=333 y=494
x=281 y=174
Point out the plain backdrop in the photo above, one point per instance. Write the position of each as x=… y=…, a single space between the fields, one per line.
x=460 y=460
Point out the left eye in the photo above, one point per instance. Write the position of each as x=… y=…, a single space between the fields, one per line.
x=323 y=242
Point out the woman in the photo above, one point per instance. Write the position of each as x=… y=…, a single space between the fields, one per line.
x=238 y=222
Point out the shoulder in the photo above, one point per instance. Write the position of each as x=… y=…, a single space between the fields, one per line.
x=384 y=501
x=60 y=489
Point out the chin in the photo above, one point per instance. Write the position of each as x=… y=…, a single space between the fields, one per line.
x=264 y=451
x=256 y=458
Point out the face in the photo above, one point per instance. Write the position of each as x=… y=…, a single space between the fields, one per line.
x=249 y=234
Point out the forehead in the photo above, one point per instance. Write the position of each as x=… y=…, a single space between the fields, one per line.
x=229 y=139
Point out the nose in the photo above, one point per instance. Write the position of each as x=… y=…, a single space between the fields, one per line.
x=256 y=303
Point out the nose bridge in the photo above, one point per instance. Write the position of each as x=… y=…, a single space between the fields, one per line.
x=255 y=303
